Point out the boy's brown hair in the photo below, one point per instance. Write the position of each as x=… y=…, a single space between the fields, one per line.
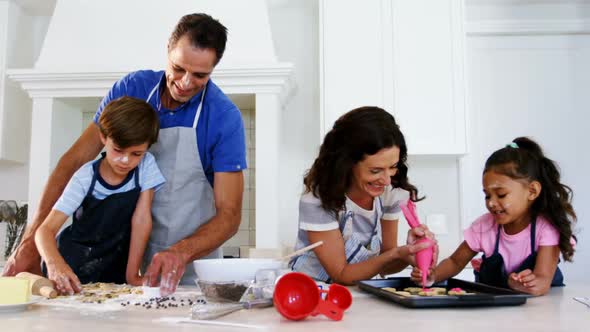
x=129 y=121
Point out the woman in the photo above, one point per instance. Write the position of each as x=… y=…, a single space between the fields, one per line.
x=352 y=201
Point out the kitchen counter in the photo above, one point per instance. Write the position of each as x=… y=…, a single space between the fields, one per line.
x=556 y=311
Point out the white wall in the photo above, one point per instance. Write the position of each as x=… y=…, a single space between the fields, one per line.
x=14 y=176
x=295 y=33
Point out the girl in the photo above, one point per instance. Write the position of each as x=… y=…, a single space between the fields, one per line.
x=529 y=223
x=352 y=201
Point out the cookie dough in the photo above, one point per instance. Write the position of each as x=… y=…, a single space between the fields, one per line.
x=389 y=289
x=413 y=290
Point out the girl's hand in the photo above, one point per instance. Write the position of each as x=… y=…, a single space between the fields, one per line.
x=65 y=279
x=416 y=277
x=524 y=281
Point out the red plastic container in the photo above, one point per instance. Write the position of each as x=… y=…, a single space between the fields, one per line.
x=297 y=296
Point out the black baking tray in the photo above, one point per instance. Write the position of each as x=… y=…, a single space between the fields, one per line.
x=484 y=295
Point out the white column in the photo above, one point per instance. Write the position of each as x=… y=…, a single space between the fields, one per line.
x=268 y=111
x=55 y=126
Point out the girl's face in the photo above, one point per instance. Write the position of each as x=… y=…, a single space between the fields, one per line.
x=372 y=174
x=122 y=161
x=507 y=199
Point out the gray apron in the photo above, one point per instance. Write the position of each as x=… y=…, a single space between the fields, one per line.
x=186 y=200
x=356 y=251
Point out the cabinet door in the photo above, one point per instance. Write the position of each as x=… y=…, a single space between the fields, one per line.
x=404 y=55
x=351 y=57
x=428 y=77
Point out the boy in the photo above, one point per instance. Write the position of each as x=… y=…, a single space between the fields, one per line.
x=109 y=200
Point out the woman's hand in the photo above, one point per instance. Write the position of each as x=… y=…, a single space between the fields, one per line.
x=408 y=251
x=65 y=279
x=418 y=233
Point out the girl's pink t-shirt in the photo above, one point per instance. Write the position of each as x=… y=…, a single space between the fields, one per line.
x=481 y=237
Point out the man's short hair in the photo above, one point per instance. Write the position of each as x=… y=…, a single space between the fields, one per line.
x=203 y=31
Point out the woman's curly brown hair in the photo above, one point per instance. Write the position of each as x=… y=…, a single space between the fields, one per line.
x=355 y=135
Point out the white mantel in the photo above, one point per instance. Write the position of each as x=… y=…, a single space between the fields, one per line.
x=88 y=47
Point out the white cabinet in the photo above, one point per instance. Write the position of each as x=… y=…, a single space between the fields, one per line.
x=406 y=56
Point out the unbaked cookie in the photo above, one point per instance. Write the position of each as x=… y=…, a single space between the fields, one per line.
x=413 y=290
x=389 y=289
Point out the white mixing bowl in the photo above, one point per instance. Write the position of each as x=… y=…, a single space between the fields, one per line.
x=232 y=269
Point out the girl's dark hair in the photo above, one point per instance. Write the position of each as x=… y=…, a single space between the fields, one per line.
x=359 y=133
x=203 y=31
x=129 y=121
x=524 y=159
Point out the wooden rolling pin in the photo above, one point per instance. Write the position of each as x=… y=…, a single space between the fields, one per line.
x=39 y=285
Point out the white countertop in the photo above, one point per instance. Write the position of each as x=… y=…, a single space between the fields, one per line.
x=554 y=312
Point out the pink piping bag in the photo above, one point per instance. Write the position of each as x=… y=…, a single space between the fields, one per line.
x=424 y=256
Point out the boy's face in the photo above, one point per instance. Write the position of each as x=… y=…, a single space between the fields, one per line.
x=123 y=160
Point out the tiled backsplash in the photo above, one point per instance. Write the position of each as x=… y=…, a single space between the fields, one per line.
x=246 y=236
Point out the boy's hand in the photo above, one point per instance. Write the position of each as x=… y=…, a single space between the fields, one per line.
x=523 y=281
x=416 y=277
x=65 y=279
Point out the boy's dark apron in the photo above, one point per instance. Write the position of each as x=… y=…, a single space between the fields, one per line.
x=96 y=245
x=492 y=271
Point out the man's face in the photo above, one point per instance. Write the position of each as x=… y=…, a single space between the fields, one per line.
x=188 y=70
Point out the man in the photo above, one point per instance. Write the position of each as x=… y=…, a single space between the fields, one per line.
x=200 y=151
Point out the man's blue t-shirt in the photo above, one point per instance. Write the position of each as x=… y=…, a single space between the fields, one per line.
x=220 y=130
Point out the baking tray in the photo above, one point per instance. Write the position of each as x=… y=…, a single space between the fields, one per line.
x=484 y=295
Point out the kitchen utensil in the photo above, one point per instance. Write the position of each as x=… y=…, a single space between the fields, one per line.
x=424 y=256
x=211 y=310
x=39 y=285
x=297 y=296
x=583 y=300
x=302 y=250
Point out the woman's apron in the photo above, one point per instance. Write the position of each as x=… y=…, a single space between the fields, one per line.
x=493 y=272
x=96 y=244
x=186 y=200
x=355 y=250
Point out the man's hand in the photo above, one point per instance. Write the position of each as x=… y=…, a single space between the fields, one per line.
x=25 y=258
x=167 y=266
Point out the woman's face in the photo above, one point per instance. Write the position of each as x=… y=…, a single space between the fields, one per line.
x=372 y=174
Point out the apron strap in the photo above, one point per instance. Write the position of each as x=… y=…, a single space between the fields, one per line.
x=200 y=106
x=533 y=233
x=152 y=92
x=497 y=239
x=95 y=166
